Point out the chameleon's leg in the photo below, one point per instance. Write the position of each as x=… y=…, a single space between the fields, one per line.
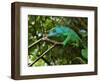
x=66 y=41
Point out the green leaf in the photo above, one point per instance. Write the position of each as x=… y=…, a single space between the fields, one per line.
x=85 y=53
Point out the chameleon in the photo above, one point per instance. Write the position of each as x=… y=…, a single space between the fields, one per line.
x=65 y=35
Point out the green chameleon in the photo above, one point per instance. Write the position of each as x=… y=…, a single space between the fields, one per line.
x=65 y=35
x=68 y=37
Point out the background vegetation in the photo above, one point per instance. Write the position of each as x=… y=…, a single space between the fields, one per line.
x=39 y=25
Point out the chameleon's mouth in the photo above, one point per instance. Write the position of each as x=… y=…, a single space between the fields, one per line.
x=51 y=35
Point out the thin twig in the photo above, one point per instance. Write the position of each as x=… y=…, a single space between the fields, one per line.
x=53 y=41
x=42 y=55
x=34 y=43
x=45 y=39
x=45 y=60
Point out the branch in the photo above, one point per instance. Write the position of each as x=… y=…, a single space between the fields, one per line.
x=45 y=60
x=52 y=41
x=45 y=39
x=34 y=43
x=42 y=55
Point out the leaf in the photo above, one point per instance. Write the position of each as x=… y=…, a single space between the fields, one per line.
x=84 y=53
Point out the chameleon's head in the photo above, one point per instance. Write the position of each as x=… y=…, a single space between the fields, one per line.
x=54 y=32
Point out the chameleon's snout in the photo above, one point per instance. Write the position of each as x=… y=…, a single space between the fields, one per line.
x=51 y=34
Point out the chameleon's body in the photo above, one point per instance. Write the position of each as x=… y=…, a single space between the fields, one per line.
x=65 y=35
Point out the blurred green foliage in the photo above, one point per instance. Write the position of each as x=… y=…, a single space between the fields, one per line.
x=38 y=25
